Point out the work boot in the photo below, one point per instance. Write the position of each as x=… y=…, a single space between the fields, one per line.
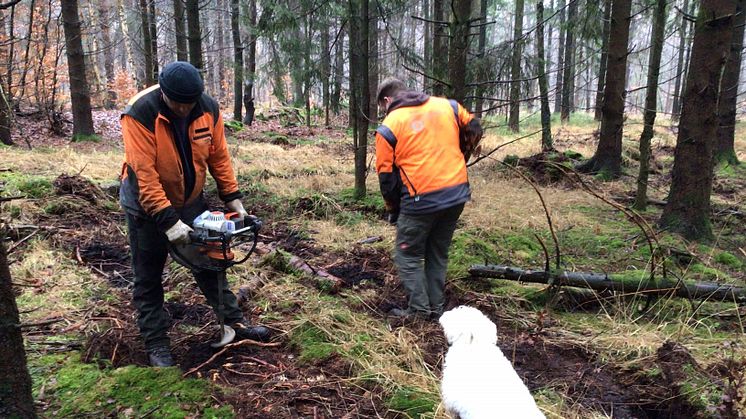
x=160 y=356
x=257 y=333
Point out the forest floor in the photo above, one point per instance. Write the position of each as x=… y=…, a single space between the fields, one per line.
x=336 y=354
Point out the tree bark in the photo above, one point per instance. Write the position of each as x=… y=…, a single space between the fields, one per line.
x=459 y=49
x=560 y=58
x=325 y=72
x=546 y=113
x=515 y=68
x=16 y=400
x=651 y=102
x=725 y=151
x=79 y=95
x=105 y=18
x=373 y=66
x=481 y=45
x=237 y=62
x=147 y=43
x=427 y=53
x=688 y=208
x=194 y=34
x=604 y=58
x=440 y=46
x=634 y=284
x=248 y=91
x=338 y=69
x=153 y=38
x=608 y=157
x=568 y=73
x=180 y=31
x=6 y=116
x=359 y=89
x=683 y=25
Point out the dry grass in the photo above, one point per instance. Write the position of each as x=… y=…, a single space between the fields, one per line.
x=52 y=284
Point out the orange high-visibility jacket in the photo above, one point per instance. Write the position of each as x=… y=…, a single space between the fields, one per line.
x=153 y=173
x=418 y=143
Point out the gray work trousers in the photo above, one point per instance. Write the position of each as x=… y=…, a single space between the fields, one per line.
x=421 y=255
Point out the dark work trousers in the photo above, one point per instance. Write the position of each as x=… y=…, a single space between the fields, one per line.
x=421 y=254
x=149 y=249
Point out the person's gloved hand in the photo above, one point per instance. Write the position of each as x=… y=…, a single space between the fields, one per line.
x=236 y=206
x=179 y=233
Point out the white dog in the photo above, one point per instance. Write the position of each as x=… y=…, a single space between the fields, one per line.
x=478 y=381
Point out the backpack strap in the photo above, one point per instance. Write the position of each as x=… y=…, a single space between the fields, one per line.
x=387 y=135
x=454 y=106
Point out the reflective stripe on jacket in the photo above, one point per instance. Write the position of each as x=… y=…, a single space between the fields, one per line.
x=420 y=138
x=153 y=175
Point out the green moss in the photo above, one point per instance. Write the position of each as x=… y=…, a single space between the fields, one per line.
x=30 y=186
x=701 y=272
x=233 y=125
x=76 y=389
x=79 y=138
x=468 y=249
x=511 y=160
x=412 y=402
x=313 y=344
x=728 y=259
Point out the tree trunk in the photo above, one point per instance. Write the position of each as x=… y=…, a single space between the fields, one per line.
x=676 y=110
x=725 y=151
x=122 y=17
x=325 y=72
x=359 y=89
x=688 y=208
x=604 y=58
x=237 y=62
x=608 y=157
x=338 y=69
x=147 y=43
x=16 y=400
x=440 y=46
x=248 y=91
x=637 y=283
x=568 y=73
x=180 y=31
x=651 y=102
x=546 y=113
x=458 y=49
x=482 y=44
x=79 y=96
x=427 y=53
x=22 y=82
x=194 y=34
x=6 y=116
x=307 y=68
x=105 y=16
x=515 y=68
x=560 y=58
x=153 y=38
x=373 y=66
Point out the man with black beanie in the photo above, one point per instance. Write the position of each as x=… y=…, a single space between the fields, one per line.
x=173 y=134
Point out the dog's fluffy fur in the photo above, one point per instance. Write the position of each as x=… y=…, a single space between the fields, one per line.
x=478 y=381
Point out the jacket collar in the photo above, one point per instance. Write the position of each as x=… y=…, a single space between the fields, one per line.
x=407 y=98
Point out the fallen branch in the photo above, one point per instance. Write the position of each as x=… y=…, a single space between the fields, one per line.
x=11 y=198
x=41 y=323
x=230 y=346
x=632 y=284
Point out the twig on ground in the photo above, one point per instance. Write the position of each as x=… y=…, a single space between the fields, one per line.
x=230 y=346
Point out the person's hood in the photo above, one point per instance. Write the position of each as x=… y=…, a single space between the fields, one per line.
x=408 y=98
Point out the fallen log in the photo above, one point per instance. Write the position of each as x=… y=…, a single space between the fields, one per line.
x=632 y=284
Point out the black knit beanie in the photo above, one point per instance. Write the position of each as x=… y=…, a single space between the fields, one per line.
x=181 y=82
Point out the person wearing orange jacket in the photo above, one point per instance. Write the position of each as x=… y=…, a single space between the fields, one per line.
x=422 y=173
x=173 y=135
